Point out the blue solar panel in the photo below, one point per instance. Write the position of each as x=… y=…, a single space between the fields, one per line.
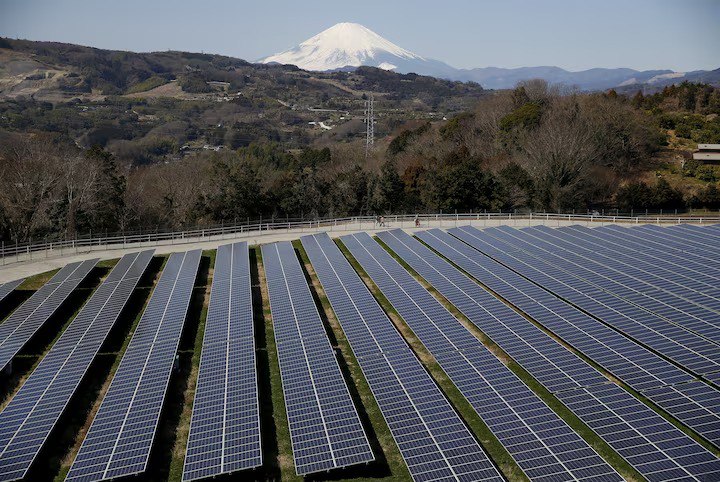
x=648 y=284
x=25 y=321
x=707 y=233
x=122 y=433
x=695 y=309
x=527 y=345
x=592 y=336
x=28 y=419
x=656 y=240
x=7 y=288
x=225 y=427
x=693 y=272
x=433 y=440
x=657 y=449
x=682 y=346
x=547 y=360
x=688 y=238
x=619 y=355
x=325 y=429
x=692 y=403
x=661 y=303
x=544 y=447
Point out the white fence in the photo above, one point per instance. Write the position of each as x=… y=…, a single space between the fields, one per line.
x=26 y=252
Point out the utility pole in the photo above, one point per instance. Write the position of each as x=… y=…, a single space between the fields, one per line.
x=369 y=125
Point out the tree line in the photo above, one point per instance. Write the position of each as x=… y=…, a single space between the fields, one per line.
x=533 y=148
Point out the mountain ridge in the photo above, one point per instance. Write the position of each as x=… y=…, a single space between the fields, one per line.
x=346 y=46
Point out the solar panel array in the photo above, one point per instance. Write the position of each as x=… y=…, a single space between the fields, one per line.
x=693 y=272
x=27 y=420
x=687 y=349
x=659 y=451
x=225 y=426
x=433 y=440
x=640 y=368
x=645 y=432
x=7 y=288
x=121 y=435
x=325 y=429
x=633 y=364
x=27 y=319
x=542 y=444
x=647 y=287
x=697 y=272
x=652 y=241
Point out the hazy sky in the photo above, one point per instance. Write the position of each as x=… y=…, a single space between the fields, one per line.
x=573 y=34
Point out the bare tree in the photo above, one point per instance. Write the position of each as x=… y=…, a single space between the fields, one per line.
x=28 y=177
x=559 y=154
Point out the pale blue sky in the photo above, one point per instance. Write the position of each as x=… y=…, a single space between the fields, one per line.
x=642 y=34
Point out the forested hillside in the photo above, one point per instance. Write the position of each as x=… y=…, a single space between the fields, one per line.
x=174 y=140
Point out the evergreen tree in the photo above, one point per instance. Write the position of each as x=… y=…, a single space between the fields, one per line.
x=389 y=191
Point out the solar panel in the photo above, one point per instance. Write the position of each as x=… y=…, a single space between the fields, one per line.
x=547 y=360
x=694 y=309
x=541 y=443
x=684 y=347
x=325 y=429
x=640 y=359
x=707 y=233
x=658 y=450
x=225 y=427
x=433 y=440
x=619 y=355
x=26 y=320
x=122 y=433
x=692 y=403
x=694 y=271
x=476 y=303
x=688 y=238
x=630 y=362
x=641 y=280
x=7 y=288
x=656 y=241
x=694 y=318
x=32 y=413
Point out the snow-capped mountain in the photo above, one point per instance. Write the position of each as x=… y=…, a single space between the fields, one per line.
x=347 y=45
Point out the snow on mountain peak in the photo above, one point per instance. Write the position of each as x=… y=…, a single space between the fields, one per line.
x=343 y=45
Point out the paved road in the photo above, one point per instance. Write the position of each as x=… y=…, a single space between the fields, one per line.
x=42 y=262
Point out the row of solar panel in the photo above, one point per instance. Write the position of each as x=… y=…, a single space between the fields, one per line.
x=32 y=413
x=545 y=359
x=688 y=349
x=225 y=432
x=324 y=425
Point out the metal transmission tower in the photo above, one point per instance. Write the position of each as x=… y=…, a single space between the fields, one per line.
x=369 y=124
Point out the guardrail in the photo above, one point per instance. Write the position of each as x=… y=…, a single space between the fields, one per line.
x=25 y=252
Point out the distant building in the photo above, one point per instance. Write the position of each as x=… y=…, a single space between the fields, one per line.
x=708 y=153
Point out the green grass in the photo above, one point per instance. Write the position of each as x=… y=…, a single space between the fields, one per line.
x=492 y=445
x=34 y=283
